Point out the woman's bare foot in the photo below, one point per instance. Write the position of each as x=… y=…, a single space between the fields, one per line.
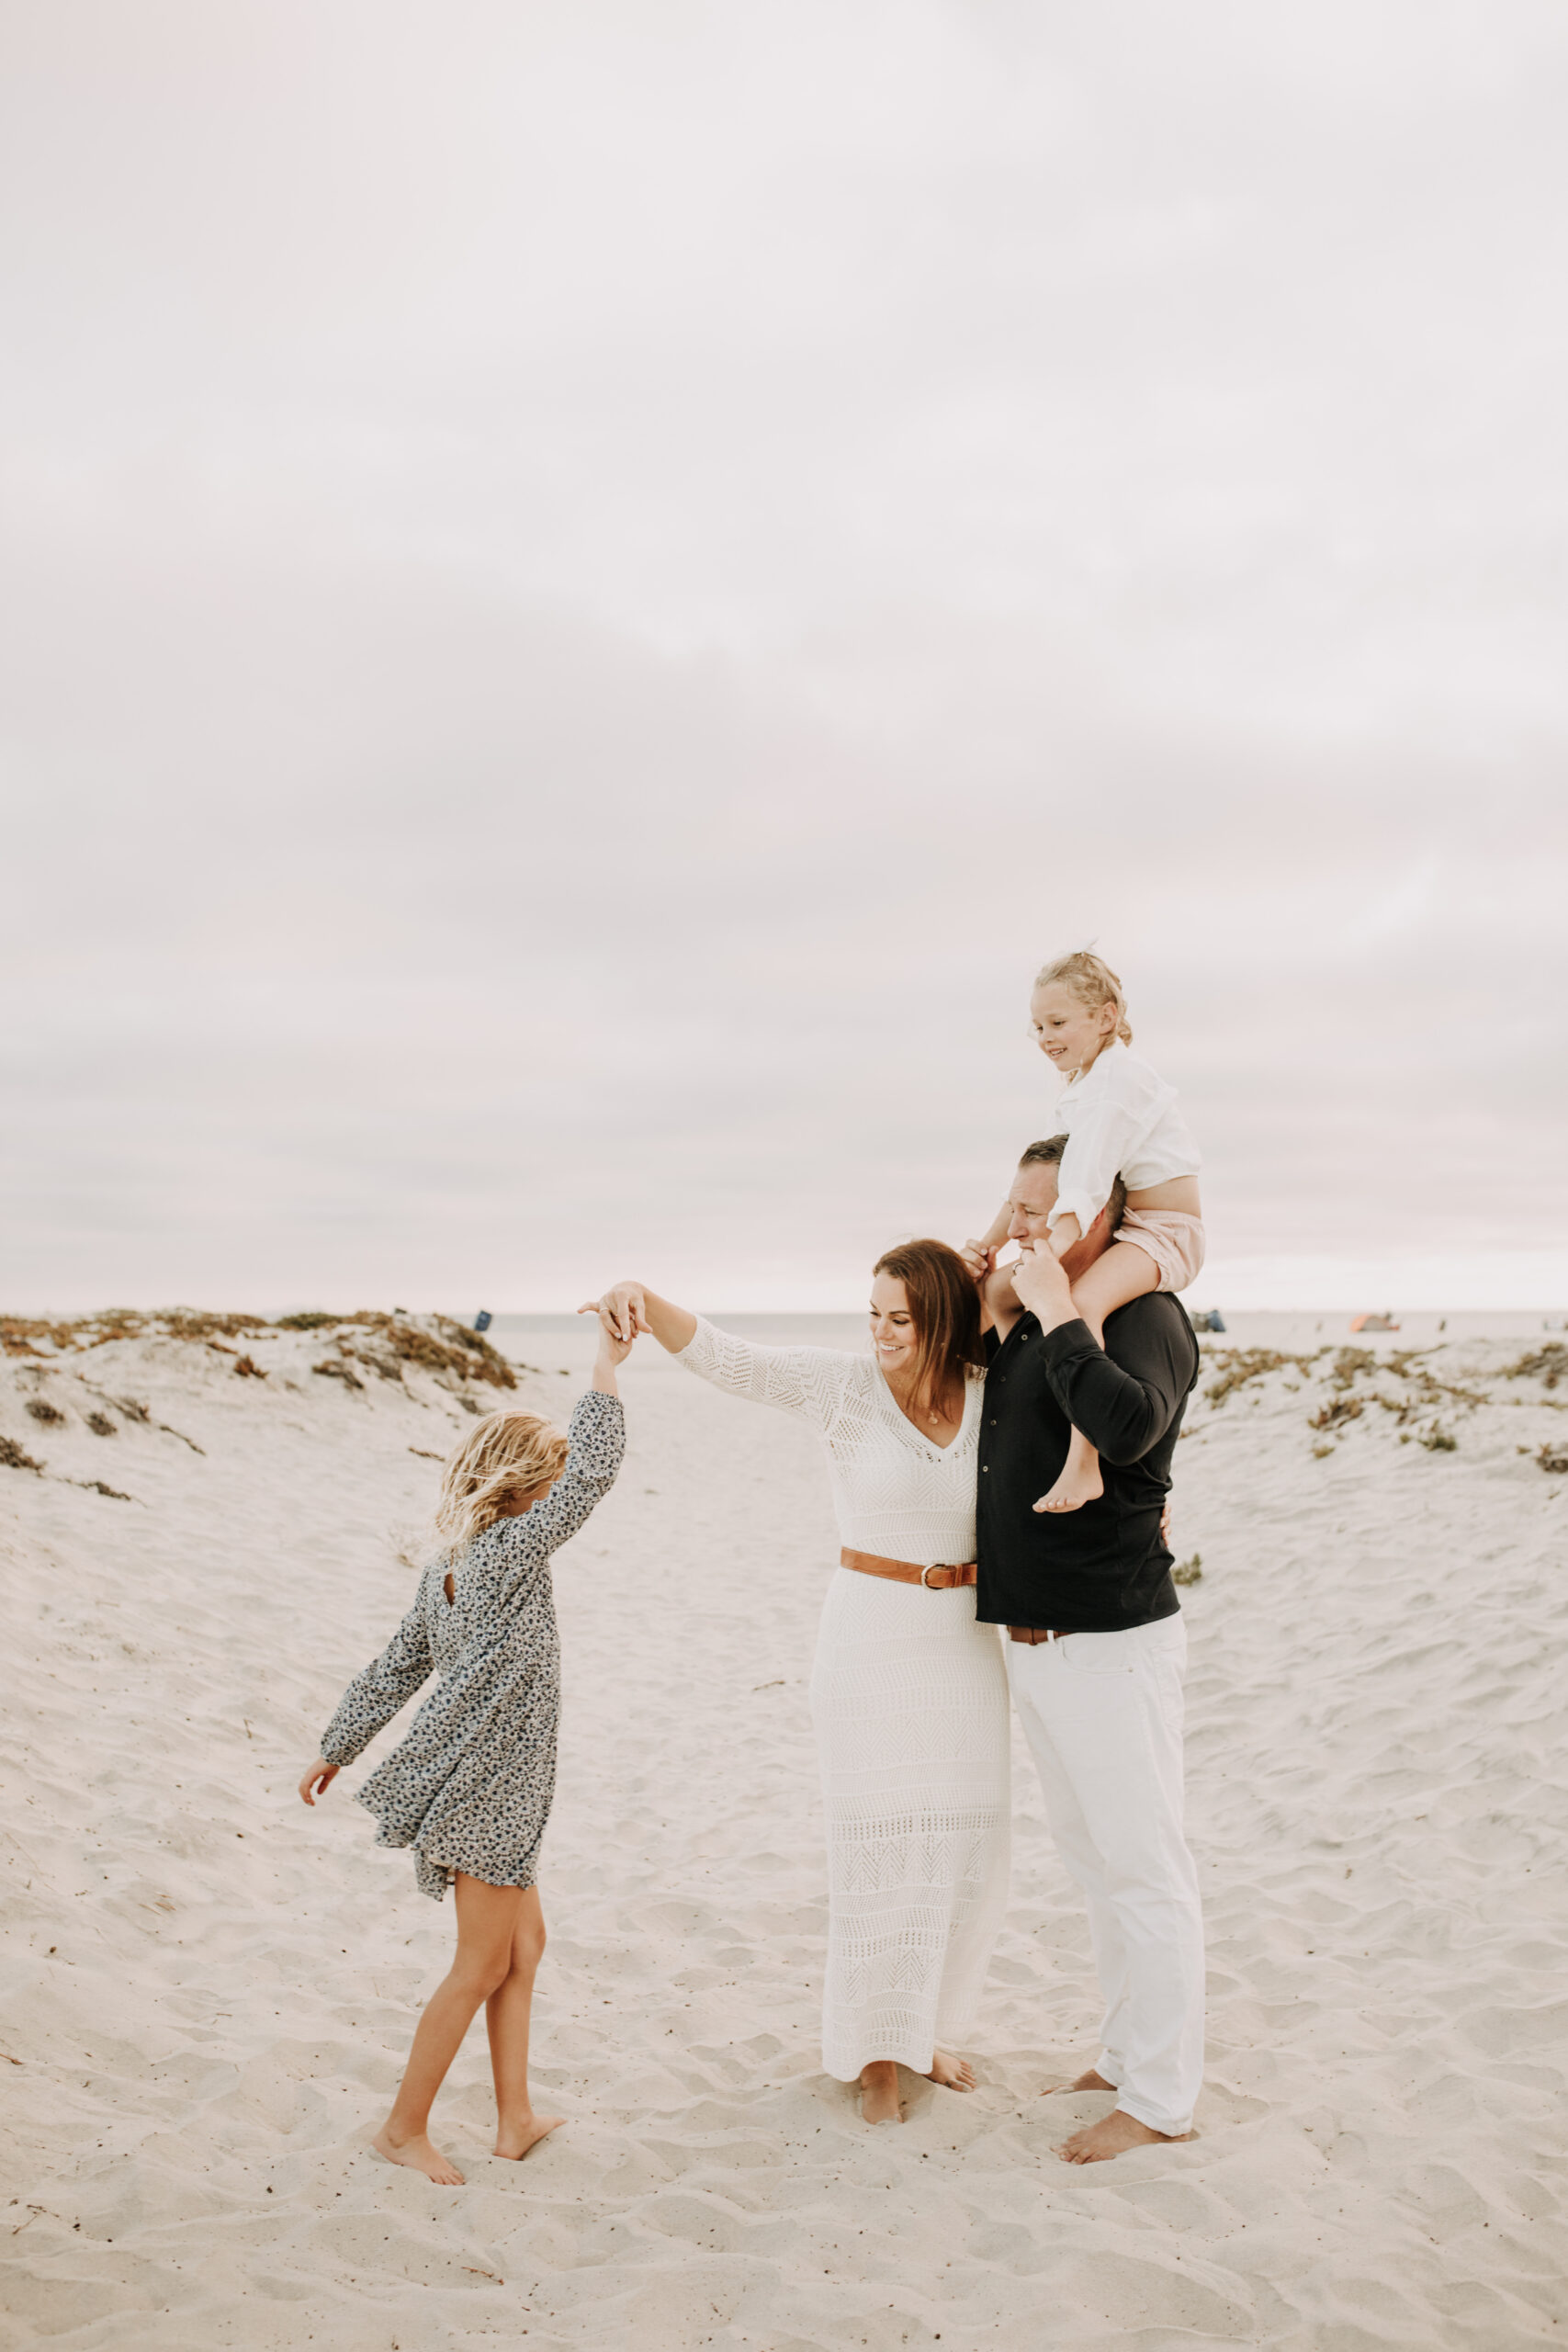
x=953 y=2073
x=1112 y=2136
x=879 y=2101
x=1074 y=1488
x=1090 y=2082
x=515 y=2139
x=418 y=2153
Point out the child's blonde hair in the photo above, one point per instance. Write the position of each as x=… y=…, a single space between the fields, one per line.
x=1092 y=981
x=504 y=1456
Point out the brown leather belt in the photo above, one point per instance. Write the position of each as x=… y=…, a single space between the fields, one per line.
x=940 y=1577
x=1032 y=1633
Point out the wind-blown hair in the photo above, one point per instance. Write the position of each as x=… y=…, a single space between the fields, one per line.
x=502 y=1458
x=944 y=1307
x=1092 y=981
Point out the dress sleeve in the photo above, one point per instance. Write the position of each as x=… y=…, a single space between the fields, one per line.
x=388 y=1684
x=808 y=1381
x=597 y=1434
x=1123 y=1102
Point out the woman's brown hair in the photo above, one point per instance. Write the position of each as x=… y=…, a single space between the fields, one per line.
x=944 y=1307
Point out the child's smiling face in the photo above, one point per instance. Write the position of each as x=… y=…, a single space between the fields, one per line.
x=1068 y=1031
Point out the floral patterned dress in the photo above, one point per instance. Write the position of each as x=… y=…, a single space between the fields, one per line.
x=469 y=1784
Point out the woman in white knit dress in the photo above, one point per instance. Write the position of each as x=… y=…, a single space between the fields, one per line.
x=908 y=1693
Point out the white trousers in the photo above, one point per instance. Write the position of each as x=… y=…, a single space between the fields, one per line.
x=1103 y=1714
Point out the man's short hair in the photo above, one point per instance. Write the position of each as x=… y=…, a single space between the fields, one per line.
x=1048 y=1154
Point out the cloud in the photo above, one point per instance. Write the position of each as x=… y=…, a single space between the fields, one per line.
x=584 y=594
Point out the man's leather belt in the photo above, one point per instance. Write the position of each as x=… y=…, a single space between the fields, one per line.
x=1032 y=1633
x=940 y=1577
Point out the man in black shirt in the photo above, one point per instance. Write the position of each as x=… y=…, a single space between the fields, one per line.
x=1097 y=1644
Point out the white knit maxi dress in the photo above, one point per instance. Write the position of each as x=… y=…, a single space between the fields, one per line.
x=909 y=1700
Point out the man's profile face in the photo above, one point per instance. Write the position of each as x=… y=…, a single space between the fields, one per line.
x=1032 y=1200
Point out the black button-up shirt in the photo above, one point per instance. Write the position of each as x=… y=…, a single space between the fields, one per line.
x=1104 y=1568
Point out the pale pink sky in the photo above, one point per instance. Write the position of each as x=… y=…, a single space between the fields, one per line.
x=585 y=591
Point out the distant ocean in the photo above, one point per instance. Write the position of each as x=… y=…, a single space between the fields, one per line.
x=1258 y=1328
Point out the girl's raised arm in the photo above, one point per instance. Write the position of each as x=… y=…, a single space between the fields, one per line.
x=597 y=1436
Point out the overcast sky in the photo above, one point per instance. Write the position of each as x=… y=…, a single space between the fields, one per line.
x=588 y=590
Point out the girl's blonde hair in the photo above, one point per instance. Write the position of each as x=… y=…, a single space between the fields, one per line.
x=1092 y=981
x=504 y=1456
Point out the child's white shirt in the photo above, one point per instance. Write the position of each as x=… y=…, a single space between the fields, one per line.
x=1120 y=1119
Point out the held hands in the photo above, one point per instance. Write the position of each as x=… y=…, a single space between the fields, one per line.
x=318 y=1780
x=622 y=1312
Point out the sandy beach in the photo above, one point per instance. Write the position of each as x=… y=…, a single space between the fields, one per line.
x=208 y=1991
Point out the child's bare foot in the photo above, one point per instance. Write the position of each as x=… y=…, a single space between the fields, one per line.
x=515 y=2139
x=418 y=2153
x=953 y=2073
x=879 y=2101
x=1074 y=1488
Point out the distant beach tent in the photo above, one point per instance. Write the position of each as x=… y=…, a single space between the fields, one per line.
x=1213 y=1321
x=481 y=1320
x=1373 y=1323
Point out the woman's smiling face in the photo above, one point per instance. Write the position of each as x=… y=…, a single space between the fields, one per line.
x=1067 y=1032
x=893 y=1332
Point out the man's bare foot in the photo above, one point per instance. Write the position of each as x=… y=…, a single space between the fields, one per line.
x=1112 y=2136
x=419 y=2155
x=1090 y=2082
x=953 y=2073
x=1073 y=1490
x=516 y=2139
x=879 y=2100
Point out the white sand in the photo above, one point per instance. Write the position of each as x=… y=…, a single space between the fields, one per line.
x=207 y=1991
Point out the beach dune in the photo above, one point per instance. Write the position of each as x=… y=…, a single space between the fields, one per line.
x=207 y=1991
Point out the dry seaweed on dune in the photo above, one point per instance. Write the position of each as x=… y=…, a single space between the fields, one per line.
x=438 y=1344
x=1239 y=1366
x=1337 y=1413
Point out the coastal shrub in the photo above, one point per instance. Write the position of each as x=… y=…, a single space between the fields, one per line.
x=314 y=1320
x=1437 y=1441
x=1552 y=1457
x=1547 y=1364
x=101 y=1425
x=13 y=1458
x=1337 y=1413
x=1189 y=1572
x=42 y=1410
x=1238 y=1366
x=334 y=1368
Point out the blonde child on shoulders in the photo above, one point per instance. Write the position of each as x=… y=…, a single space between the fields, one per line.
x=1120 y=1119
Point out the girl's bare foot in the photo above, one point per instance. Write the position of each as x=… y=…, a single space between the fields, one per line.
x=418 y=2153
x=953 y=2073
x=1073 y=1490
x=879 y=2101
x=516 y=2139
